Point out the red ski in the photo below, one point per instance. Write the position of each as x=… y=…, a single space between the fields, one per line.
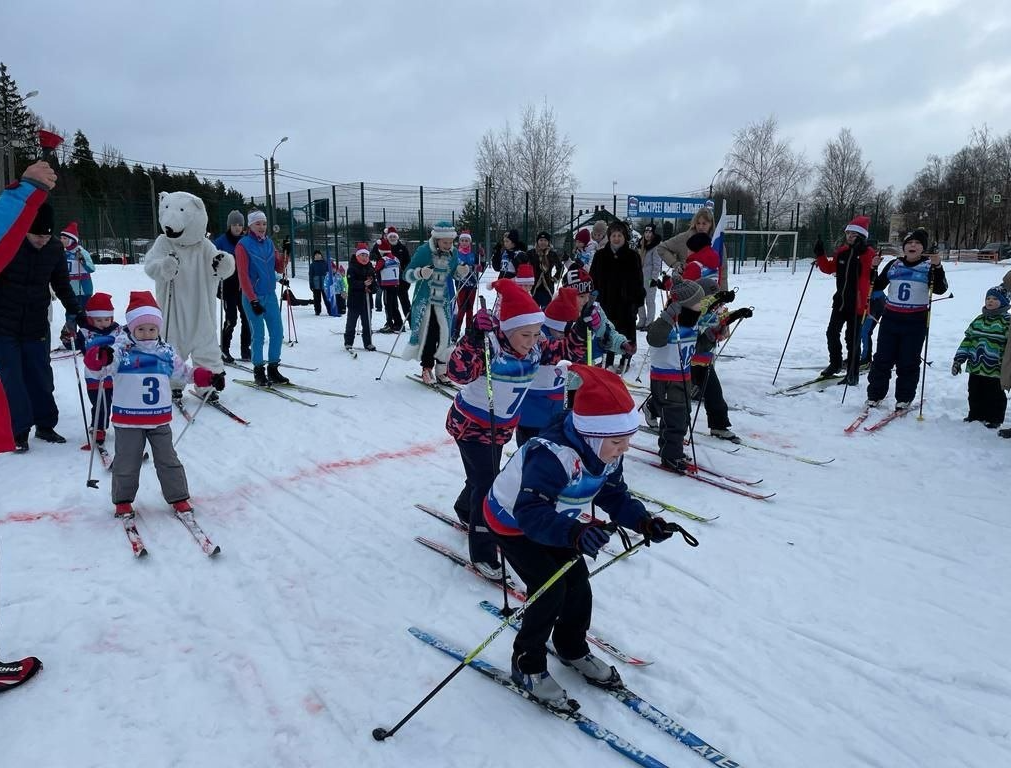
x=889 y=418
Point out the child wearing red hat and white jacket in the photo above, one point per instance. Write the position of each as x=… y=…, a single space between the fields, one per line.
x=388 y=267
x=517 y=351
x=100 y=323
x=142 y=365
x=533 y=510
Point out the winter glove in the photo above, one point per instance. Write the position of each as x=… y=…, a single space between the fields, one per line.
x=628 y=348
x=283 y=281
x=170 y=267
x=67 y=337
x=656 y=529
x=671 y=312
x=462 y=271
x=484 y=321
x=257 y=307
x=819 y=247
x=588 y=538
x=956 y=368
x=725 y=297
x=737 y=314
x=202 y=377
x=591 y=315
x=425 y=273
x=96 y=358
x=654 y=283
x=216 y=261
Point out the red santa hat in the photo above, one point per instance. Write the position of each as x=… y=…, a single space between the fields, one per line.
x=562 y=310
x=362 y=248
x=99 y=306
x=70 y=231
x=861 y=225
x=602 y=406
x=142 y=309
x=391 y=230
x=517 y=307
x=524 y=274
x=384 y=246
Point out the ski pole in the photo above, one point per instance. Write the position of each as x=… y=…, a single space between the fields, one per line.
x=926 y=341
x=381 y=734
x=490 y=391
x=77 y=372
x=638 y=376
x=795 y=314
x=684 y=387
x=390 y=353
x=854 y=350
x=98 y=418
x=196 y=413
x=705 y=383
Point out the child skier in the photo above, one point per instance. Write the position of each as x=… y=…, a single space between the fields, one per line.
x=672 y=338
x=532 y=509
x=466 y=288
x=909 y=279
x=141 y=365
x=388 y=267
x=361 y=284
x=80 y=266
x=606 y=339
x=100 y=323
x=981 y=351
x=517 y=351
x=317 y=279
x=713 y=327
x=546 y=397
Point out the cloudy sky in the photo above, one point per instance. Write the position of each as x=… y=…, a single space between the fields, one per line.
x=400 y=92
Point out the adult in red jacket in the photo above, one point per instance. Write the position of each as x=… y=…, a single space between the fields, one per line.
x=852 y=263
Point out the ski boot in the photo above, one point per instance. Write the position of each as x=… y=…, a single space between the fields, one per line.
x=50 y=435
x=274 y=376
x=830 y=370
x=370 y=347
x=543 y=687
x=21 y=442
x=260 y=376
x=725 y=434
x=428 y=376
x=124 y=509
x=680 y=466
x=647 y=413
x=595 y=671
x=903 y=406
x=182 y=506
x=440 y=374
x=872 y=403
x=490 y=571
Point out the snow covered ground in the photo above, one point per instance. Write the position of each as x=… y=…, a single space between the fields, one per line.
x=859 y=618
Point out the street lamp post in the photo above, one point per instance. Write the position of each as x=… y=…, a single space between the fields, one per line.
x=8 y=157
x=713 y=181
x=273 y=185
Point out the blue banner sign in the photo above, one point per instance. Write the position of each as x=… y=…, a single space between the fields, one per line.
x=645 y=207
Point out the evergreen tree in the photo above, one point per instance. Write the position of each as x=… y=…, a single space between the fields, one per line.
x=85 y=169
x=18 y=126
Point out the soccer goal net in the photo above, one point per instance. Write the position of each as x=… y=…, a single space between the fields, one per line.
x=760 y=249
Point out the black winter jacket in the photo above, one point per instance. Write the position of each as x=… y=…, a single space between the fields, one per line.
x=24 y=290
x=617 y=279
x=357 y=274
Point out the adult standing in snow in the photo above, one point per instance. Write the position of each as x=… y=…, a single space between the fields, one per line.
x=617 y=276
x=674 y=250
x=231 y=292
x=852 y=264
x=652 y=265
x=532 y=509
x=432 y=269
x=258 y=263
x=547 y=266
x=38 y=264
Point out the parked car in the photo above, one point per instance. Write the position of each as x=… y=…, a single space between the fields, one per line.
x=995 y=251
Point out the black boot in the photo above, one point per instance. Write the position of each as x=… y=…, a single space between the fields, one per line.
x=259 y=376
x=274 y=376
x=21 y=442
x=49 y=434
x=831 y=370
x=226 y=356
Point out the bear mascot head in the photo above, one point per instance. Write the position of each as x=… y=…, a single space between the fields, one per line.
x=183 y=217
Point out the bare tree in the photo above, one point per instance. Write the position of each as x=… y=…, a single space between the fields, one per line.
x=768 y=168
x=537 y=160
x=110 y=155
x=844 y=179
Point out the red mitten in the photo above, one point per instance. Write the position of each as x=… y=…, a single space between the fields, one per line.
x=96 y=358
x=203 y=377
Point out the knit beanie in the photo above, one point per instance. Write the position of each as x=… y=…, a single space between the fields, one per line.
x=698 y=241
x=517 y=307
x=142 y=309
x=562 y=310
x=524 y=274
x=686 y=292
x=255 y=216
x=544 y=234
x=583 y=236
x=602 y=406
x=919 y=235
x=99 y=306
x=514 y=236
x=579 y=279
x=235 y=218
x=43 y=222
x=998 y=292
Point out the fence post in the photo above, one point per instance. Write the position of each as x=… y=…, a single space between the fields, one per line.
x=487 y=221
x=291 y=230
x=421 y=213
x=361 y=191
x=336 y=250
x=347 y=234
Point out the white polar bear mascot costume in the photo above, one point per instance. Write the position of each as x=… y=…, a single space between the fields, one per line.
x=186 y=268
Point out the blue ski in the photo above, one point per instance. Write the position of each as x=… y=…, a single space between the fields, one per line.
x=644 y=709
x=585 y=724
